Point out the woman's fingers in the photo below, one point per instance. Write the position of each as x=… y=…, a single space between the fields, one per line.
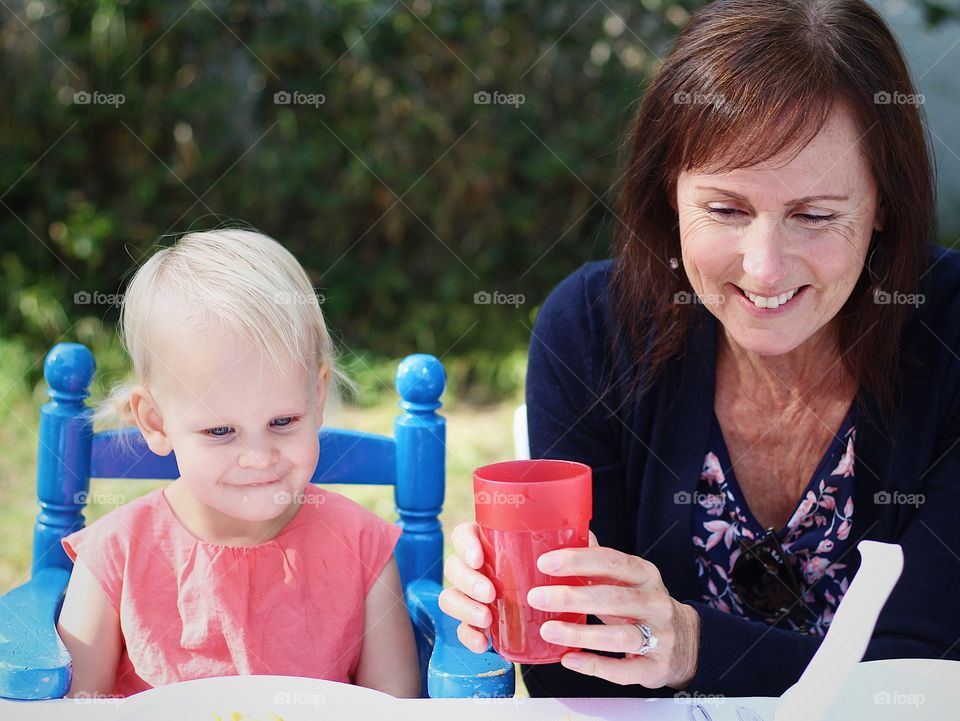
x=619 y=638
x=466 y=542
x=602 y=600
x=463 y=608
x=623 y=671
x=472 y=638
x=470 y=582
x=599 y=562
x=466 y=600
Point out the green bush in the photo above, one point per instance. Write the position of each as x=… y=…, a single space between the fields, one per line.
x=401 y=195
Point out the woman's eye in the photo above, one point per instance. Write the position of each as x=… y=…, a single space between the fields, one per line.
x=811 y=218
x=722 y=212
x=283 y=422
x=218 y=432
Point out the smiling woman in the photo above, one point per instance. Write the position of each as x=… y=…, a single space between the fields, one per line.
x=795 y=109
x=769 y=361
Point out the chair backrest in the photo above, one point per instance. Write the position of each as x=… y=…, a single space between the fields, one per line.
x=412 y=461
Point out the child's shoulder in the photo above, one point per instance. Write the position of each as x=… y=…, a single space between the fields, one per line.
x=118 y=528
x=323 y=510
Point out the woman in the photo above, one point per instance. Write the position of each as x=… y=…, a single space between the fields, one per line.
x=767 y=372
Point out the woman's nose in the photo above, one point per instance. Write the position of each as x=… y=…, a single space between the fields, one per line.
x=764 y=262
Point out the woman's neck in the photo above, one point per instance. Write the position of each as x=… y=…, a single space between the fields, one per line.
x=812 y=370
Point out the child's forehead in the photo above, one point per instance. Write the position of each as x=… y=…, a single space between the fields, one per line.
x=206 y=365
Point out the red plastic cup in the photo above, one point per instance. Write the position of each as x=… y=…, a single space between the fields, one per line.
x=524 y=509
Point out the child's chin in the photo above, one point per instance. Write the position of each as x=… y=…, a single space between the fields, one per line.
x=266 y=507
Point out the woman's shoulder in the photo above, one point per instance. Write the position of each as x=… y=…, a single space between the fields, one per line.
x=578 y=305
x=938 y=297
x=590 y=282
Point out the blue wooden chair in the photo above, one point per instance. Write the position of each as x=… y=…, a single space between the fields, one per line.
x=34 y=664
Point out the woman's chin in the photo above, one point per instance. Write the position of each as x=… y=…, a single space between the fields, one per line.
x=766 y=342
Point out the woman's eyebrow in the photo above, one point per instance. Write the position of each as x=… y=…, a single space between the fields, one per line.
x=805 y=200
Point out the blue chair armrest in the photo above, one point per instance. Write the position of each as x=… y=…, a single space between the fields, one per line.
x=454 y=671
x=34 y=663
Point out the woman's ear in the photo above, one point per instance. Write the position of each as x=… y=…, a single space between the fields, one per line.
x=146 y=414
x=880 y=215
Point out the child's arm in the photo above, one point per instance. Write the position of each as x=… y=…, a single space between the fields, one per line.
x=388 y=658
x=89 y=627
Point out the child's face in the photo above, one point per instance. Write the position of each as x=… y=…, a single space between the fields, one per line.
x=244 y=435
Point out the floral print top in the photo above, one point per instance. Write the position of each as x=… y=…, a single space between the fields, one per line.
x=814 y=539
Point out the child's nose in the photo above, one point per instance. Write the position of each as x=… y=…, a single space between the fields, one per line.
x=255 y=456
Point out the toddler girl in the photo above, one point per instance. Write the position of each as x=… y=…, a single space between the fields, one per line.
x=240 y=566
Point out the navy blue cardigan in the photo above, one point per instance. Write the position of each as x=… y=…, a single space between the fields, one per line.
x=645 y=450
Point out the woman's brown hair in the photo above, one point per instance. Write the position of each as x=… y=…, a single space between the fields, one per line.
x=746 y=81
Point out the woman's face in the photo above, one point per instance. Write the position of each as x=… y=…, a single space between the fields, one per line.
x=774 y=252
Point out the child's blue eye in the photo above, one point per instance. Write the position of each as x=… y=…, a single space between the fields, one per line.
x=283 y=422
x=218 y=432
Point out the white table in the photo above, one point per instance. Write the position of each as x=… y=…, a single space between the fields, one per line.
x=900 y=689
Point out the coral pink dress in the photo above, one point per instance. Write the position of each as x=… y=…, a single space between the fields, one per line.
x=188 y=609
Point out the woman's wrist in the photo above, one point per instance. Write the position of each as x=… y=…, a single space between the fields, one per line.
x=687 y=649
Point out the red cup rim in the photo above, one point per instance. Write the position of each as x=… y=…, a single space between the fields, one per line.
x=574 y=470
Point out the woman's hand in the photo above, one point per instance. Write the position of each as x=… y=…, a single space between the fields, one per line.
x=622 y=590
x=472 y=591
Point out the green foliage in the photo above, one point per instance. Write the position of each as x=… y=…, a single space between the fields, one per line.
x=401 y=195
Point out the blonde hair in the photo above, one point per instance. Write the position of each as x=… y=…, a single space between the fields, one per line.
x=243 y=282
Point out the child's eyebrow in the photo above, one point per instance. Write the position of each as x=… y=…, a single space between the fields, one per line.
x=217 y=422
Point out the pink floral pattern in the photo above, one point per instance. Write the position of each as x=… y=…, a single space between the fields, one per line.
x=815 y=538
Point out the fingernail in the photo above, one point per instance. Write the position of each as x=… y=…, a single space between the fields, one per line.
x=475 y=557
x=480 y=590
x=548 y=563
x=477 y=616
x=549 y=633
x=571 y=662
x=536 y=597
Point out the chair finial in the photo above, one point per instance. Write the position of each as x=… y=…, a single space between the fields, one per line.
x=68 y=370
x=420 y=382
